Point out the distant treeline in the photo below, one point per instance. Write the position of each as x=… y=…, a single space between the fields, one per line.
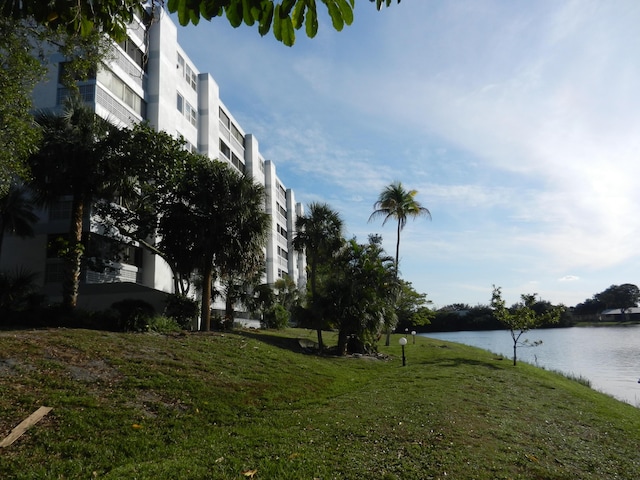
x=463 y=317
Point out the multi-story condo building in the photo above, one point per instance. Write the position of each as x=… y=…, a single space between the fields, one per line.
x=150 y=77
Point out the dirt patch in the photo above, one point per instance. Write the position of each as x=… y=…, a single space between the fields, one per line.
x=93 y=371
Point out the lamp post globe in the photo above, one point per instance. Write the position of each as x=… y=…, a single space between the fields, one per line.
x=413 y=332
x=403 y=342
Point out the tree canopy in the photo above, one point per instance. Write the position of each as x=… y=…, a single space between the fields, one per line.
x=399 y=204
x=282 y=17
x=622 y=296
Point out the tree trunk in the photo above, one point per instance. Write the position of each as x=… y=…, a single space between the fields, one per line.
x=387 y=340
x=317 y=319
x=228 y=310
x=205 y=307
x=1 y=234
x=73 y=256
x=398 y=247
x=515 y=348
x=342 y=342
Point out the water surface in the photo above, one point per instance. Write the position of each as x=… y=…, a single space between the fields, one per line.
x=609 y=357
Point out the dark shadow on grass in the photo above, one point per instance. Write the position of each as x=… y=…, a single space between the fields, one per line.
x=286 y=343
x=462 y=361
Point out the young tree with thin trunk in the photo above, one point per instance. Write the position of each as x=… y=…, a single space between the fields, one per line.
x=522 y=317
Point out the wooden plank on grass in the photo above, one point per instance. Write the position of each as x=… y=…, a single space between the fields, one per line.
x=27 y=423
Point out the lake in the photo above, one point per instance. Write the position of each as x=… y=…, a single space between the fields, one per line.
x=609 y=357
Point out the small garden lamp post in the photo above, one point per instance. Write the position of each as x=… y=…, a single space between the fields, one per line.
x=413 y=332
x=403 y=342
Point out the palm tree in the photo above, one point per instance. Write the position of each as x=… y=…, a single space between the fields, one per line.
x=394 y=202
x=217 y=216
x=400 y=204
x=16 y=213
x=74 y=160
x=319 y=234
x=361 y=292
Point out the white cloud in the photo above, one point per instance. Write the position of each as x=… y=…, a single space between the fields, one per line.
x=569 y=278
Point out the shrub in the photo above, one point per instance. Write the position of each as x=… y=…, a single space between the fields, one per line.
x=183 y=310
x=276 y=317
x=18 y=293
x=134 y=315
x=162 y=324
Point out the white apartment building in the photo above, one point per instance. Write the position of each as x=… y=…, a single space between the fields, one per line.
x=150 y=77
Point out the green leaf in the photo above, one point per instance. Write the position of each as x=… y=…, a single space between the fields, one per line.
x=287 y=31
x=347 y=11
x=266 y=18
x=311 y=25
x=277 y=24
x=298 y=14
x=234 y=13
x=86 y=26
x=210 y=9
x=286 y=7
x=247 y=15
x=194 y=16
x=336 y=14
x=183 y=13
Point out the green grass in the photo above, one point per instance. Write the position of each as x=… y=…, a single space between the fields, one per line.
x=212 y=406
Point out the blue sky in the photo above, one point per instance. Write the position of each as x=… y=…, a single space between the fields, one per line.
x=518 y=122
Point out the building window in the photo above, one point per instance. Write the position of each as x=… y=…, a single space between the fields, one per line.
x=236 y=134
x=121 y=91
x=191 y=113
x=239 y=164
x=283 y=253
x=133 y=52
x=191 y=77
x=180 y=103
x=225 y=150
x=180 y=65
x=224 y=119
x=281 y=210
x=60 y=210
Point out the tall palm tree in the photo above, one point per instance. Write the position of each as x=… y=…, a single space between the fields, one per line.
x=74 y=160
x=319 y=235
x=394 y=202
x=16 y=213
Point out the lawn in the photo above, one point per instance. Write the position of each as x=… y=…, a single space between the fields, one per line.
x=252 y=404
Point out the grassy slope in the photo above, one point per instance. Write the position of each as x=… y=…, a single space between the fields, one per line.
x=211 y=406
